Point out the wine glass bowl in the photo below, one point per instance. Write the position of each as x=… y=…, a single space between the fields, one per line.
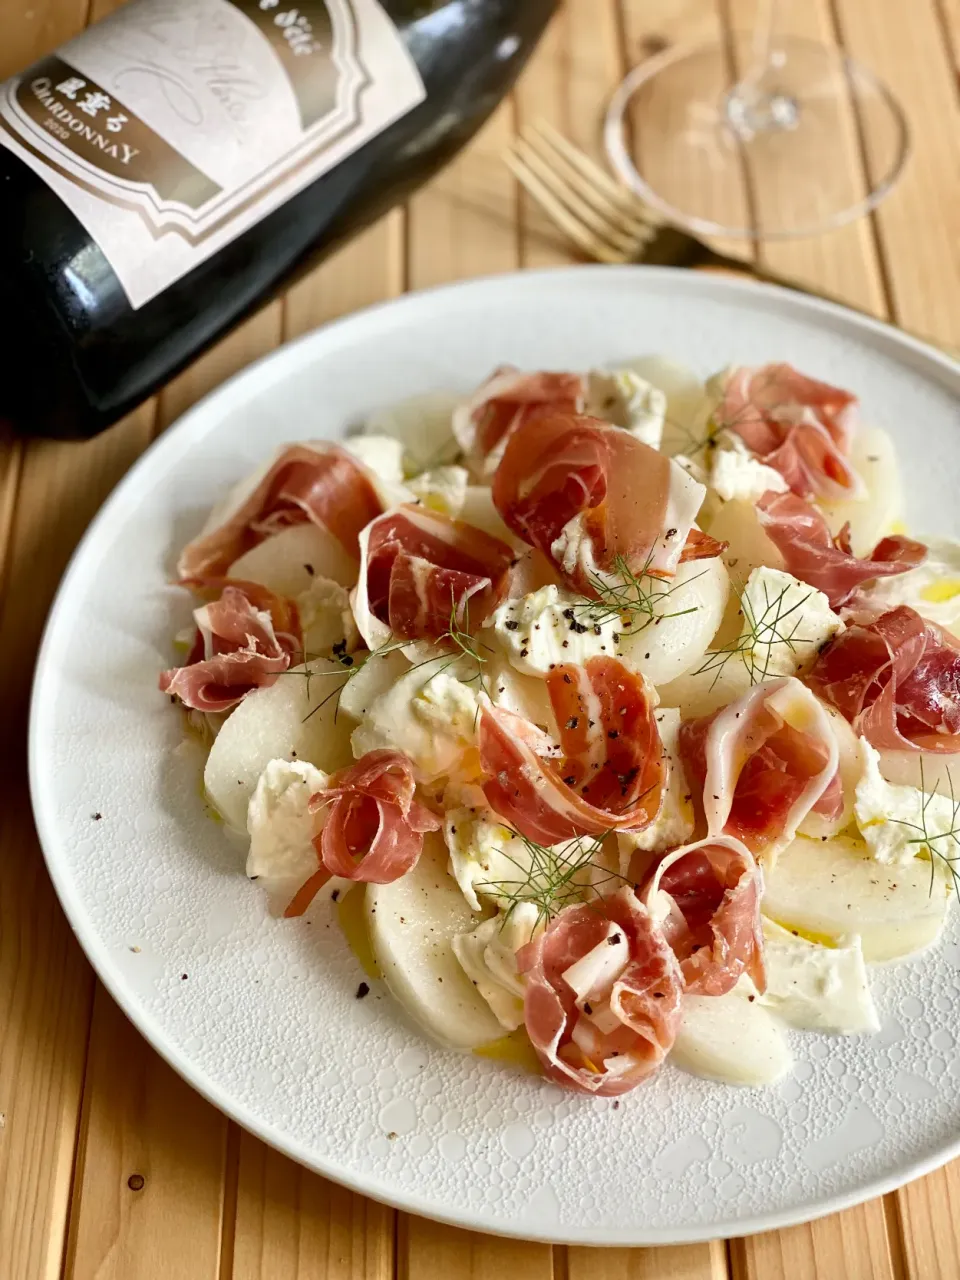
x=774 y=153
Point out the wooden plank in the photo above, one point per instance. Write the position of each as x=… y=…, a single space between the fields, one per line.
x=949 y=12
x=431 y=1251
x=844 y=261
x=905 y=45
x=682 y=1262
x=294 y=1225
x=929 y=1225
x=45 y=983
x=150 y=1164
x=853 y=1244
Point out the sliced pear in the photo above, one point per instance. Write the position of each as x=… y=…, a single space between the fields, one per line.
x=831 y=888
x=285 y=721
x=875 y=459
x=732 y=1039
x=688 y=403
x=288 y=561
x=412 y=922
x=926 y=770
x=850 y=765
x=703 y=691
x=422 y=424
x=689 y=614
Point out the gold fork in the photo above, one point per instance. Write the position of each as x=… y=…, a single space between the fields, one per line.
x=612 y=225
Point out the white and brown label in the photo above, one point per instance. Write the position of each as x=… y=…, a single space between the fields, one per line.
x=175 y=125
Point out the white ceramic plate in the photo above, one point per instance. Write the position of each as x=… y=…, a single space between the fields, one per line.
x=266 y=1024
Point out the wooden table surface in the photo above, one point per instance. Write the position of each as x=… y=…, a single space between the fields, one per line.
x=110 y=1166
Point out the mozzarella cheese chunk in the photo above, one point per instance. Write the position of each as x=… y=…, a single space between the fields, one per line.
x=786 y=623
x=426 y=712
x=736 y=473
x=898 y=823
x=817 y=988
x=488 y=956
x=280 y=824
x=627 y=400
x=483 y=854
x=442 y=489
x=548 y=627
x=673 y=825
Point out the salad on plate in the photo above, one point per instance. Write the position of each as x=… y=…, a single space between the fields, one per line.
x=615 y=712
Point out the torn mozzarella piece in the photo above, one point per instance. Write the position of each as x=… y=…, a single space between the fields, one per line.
x=932 y=588
x=426 y=712
x=486 y=857
x=326 y=618
x=688 y=406
x=382 y=455
x=626 y=400
x=442 y=489
x=488 y=956
x=785 y=624
x=551 y=626
x=674 y=824
x=817 y=988
x=900 y=823
x=736 y=473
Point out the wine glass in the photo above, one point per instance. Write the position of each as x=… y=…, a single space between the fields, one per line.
x=772 y=153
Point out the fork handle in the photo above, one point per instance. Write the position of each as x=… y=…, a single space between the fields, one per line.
x=709 y=258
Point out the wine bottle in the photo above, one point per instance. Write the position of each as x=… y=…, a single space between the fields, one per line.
x=166 y=170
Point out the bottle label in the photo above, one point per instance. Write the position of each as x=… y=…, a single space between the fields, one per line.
x=175 y=125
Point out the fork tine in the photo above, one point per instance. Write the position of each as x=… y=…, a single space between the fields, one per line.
x=575 y=201
x=595 y=174
x=580 y=234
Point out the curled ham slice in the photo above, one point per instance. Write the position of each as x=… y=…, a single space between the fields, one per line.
x=245 y=639
x=896 y=678
x=713 y=925
x=602 y=1002
x=800 y=427
x=315 y=483
x=374 y=826
x=587 y=494
x=759 y=765
x=419 y=569
x=504 y=402
x=610 y=773
x=801 y=535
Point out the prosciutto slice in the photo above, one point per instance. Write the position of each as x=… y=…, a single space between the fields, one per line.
x=587 y=495
x=610 y=772
x=713 y=924
x=319 y=483
x=801 y=535
x=421 y=569
x=508 y=399
x=800 y=427
x=896 y=678
x=245 y=639
x=374 y=826
x=759 y=765
x=602 y=1002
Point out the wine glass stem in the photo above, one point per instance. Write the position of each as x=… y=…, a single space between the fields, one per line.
x=755 y=105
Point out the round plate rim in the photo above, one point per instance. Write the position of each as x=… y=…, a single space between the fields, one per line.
x=946 y=371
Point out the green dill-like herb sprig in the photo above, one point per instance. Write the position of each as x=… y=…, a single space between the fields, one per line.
x=930 y=840
x=551 y=881
x=776 y=624
x=635 y=597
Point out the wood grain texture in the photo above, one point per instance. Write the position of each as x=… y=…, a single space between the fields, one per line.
x=918 y=224
x=431 y=1251
x=929 y=1222
x=150 y=1164
x=294 y=1225
x=682 y=1262
x=853 y=1244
